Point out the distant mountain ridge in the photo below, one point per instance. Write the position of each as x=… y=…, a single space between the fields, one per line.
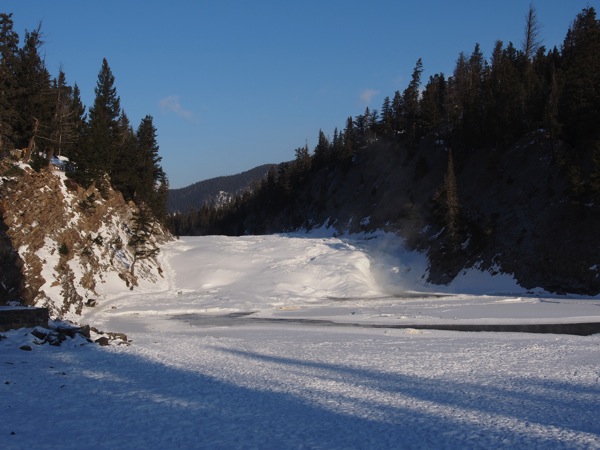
x=195 y=195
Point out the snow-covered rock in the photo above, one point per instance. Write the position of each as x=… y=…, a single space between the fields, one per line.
x=71 y=243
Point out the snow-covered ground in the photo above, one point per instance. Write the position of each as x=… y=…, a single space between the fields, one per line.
x=210 y=367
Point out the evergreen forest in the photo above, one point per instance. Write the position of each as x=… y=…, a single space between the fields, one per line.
x=42 y=118
x=484 y=106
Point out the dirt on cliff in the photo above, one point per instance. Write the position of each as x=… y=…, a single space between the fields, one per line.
x=63 y=242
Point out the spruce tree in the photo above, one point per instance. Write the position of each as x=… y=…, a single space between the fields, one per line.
x=140 y=240
x=9 y=44
x=65 y=126
x=79 y=124
x=153 y=181
x=127 y=167
x=101 y=141
x=397 y=112
x=579 y=110
x=34 y=100
x=410 y=98
x=387 y=115
x=531 y=40
x=322 y=150
x=433 y=103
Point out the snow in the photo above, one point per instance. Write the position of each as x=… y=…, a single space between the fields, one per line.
x=208 y=365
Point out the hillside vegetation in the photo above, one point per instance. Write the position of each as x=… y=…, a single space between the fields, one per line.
x=66 y=244
x=215 y=190
x=82 y=194
x=496 y=166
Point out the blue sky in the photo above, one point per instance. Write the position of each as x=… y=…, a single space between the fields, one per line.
x=234 y=84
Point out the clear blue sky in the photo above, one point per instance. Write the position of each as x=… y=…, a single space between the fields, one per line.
x=234 y=84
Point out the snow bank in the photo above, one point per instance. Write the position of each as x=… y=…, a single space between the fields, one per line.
x=194 y=377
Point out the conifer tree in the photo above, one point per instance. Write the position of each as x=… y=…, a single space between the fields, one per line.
x=141 y=238
x=127 y=167
x=531 y=40
x=410 y=98
x=65 y=125
x=321 y=154
x=302 y=165
x=387 y=115
x=433 y=103
x=79 y=124
x=9 y=44
x=579 y=110
x=349 y=140
x=153 y=180
x=448 y=204
x=103 y=125
x=33 y=100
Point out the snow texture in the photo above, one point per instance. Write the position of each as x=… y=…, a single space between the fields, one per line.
x=208 y=367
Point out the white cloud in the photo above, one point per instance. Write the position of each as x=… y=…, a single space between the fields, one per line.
x=367 y=95
x=172 y=104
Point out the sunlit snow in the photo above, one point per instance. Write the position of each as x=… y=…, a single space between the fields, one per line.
x=210 y=367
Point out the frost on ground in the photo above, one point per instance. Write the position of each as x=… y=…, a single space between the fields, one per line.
x=196 y=376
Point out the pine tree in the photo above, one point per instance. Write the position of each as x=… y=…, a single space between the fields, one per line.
x=410 y=98
x=103 y=126
x=579 y=110
x=474 y=109
x=361 y=124
x=433 y=103
x=34 y=99
x=9 y=44
x=387 y=116
x=127 y=167
x=63 y=132
x=140 y=240
x=531 y=40
x=79 y=123
x=153 y=180
x=322 y=150
x=349 y=139
x=301 y=167
x=448 y=204
x=397 y=113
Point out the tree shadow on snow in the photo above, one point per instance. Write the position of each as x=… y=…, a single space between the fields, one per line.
x=537 y=402
x=129 y=401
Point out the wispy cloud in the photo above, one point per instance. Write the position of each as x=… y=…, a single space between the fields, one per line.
x=367 y=95
x=173 y=105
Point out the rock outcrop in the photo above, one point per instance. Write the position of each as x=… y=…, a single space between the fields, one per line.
x=65 y=244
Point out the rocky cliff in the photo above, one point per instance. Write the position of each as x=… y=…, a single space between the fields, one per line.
x=62 y=246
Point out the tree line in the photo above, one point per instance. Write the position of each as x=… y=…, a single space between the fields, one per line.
x=485 y=105
x=44 y=117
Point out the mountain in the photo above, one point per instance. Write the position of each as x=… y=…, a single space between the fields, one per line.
x=217 y=189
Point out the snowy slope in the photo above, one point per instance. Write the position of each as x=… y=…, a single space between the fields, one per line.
x=198 y=376
x=71 y=241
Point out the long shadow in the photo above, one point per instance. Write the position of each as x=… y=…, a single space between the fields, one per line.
x=543 y=402
x=78 y=398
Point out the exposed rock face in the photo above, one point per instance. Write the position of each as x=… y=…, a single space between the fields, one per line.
x=64 y=242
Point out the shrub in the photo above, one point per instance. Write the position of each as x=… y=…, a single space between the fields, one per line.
x=63 y=249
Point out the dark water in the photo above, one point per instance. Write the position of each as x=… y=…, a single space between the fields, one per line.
x=244 y=318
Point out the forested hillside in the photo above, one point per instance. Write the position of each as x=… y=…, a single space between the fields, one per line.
x=42 y=117
x=82 y=194
x=210 y=191
x=495 y=166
